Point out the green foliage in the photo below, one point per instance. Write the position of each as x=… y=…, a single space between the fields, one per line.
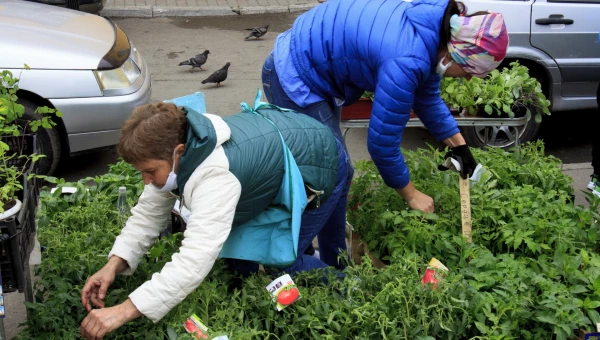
x=368 y=95
x=534 y=257
x=505 y=92
x=501 y=92
x=11 y=171
x=532 y=271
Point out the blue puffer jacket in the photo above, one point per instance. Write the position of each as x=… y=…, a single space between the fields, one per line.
x=390 y=47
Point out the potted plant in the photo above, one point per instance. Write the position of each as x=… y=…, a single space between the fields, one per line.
x=503 y=92
x=17 y=159
x=509 y=92
x=16 y=142
x=506 y=93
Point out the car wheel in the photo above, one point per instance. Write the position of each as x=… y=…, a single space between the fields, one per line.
x=500 y=136
x=48 y=141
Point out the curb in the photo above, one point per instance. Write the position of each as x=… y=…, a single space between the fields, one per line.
x=261 y=10
x=127 y=12
x=191 y=11
x=198 y=12
x=577 y=166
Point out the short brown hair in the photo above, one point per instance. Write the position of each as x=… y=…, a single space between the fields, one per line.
x=152 y=132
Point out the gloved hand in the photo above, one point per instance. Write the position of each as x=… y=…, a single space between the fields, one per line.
x=465 y=159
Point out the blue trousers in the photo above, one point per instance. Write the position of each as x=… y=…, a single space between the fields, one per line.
x=330 y=115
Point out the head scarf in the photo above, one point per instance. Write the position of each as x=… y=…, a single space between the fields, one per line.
x=478 y=44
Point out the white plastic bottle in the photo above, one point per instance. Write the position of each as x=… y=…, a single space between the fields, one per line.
x=123 y=207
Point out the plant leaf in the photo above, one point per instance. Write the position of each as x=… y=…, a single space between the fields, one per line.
x=547 y=319
x=171 y=333
x=488 y=109
x=515 y=92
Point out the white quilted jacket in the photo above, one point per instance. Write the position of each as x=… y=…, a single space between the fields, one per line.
x=211 y=194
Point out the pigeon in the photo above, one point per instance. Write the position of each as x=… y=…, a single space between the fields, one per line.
x=218 y=77
x=257 y=32
x=196 y=61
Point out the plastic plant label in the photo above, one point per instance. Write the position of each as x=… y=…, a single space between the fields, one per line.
x=481 y=174
x=196 y=328
x=434 y=273
x=284 y=291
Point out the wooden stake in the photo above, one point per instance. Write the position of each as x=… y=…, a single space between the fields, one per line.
x=465 y=207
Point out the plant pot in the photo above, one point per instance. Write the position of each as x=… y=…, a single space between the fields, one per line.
x=361 y=109
x=358 y=110
x=12 y=211
x=11 y=266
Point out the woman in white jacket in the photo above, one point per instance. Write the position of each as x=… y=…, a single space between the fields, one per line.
x=227 y=172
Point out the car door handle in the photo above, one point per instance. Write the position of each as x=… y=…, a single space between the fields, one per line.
x=554 y=19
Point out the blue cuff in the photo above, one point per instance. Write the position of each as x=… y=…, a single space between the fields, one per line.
x=392 y=179
x=447 y=134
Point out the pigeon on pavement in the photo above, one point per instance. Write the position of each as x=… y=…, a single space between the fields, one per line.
x=218 y=77
x=196 y=61
x=257 y=32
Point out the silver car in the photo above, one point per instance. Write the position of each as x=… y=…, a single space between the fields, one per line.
x=81 y=64
x=558 y=41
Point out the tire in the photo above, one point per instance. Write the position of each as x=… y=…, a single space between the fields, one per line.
x=72 y=4
x=501 y=136
x=48 y=141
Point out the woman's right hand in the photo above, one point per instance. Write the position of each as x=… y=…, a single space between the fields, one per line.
x=96 y=286
x=416 y=200
x=422 y=202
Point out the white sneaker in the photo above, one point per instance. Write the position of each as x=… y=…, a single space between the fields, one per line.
x=596 y=190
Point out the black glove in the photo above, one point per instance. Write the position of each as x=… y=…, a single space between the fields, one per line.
x=464 y=157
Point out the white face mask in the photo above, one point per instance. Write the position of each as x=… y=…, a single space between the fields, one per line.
x=171 y=183
x=441 y=68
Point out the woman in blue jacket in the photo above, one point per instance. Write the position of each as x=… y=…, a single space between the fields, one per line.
x=397 y=49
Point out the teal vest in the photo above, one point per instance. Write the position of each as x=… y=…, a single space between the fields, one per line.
x=255 y=154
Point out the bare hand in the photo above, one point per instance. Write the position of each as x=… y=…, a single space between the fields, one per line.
x=422 y=202
x=99 y=322
x=96 y=286
x=416 y=200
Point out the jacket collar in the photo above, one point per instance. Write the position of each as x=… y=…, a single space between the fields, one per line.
x=200 y=142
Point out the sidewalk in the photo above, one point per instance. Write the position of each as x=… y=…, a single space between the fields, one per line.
x=201 y=8
x=580 y=173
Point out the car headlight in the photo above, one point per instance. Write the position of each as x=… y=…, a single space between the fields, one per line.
x=118 y=78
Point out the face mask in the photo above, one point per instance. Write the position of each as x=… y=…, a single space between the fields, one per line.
x=441 y=68
x=171 y=183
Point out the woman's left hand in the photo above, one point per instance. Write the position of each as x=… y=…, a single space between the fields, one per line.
x=101 y=321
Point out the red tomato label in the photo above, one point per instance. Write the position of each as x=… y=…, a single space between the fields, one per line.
x=190 y=326
x=286 y=297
